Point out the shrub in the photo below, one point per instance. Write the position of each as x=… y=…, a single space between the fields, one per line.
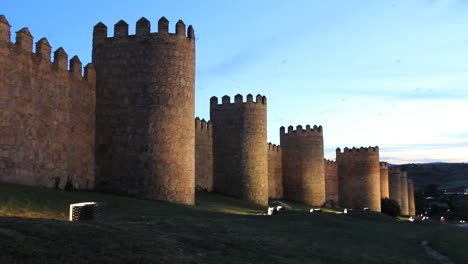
x=390 y=207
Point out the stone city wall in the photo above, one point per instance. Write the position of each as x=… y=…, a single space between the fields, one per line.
x=275 y=172
x=46 y=114
x=203 y=155
x=331 y=181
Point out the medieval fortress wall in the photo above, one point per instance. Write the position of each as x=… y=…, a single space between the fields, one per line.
x=331 y=182
x=46 y=114
x=203 y=155
x=384 y=192
x=127 y=126
x=275 y=172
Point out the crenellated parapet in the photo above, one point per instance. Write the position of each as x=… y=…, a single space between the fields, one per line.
x=238 y=100
x=142 y=32
x=347 y=150
x=274 y=147
x=21 y=50
x=383 y=165
x=202 y=126
x=48 y=117
x=300 y=131
x=330 y=163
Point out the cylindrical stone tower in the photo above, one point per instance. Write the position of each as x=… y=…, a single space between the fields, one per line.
x=411 y=204
x=359 y=178
x=303 y=165
x=145 y=137
x=240 y=157
x=404 y=194
x=384 y=192
x=394 y=184
x=331 y=181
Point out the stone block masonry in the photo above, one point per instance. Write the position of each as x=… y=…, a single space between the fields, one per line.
x=394 y=184
x=240 y=158
x=359 y=178
x=303 y=165
x=384 y=192
x=145 y=137
x=47 y=114
x=275 y=172
x=331 y=182
x=404 y=194
x=411 y=202
x=203 y=155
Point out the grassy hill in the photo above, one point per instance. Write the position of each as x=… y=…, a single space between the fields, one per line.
x=445 y=175
x=218 y=229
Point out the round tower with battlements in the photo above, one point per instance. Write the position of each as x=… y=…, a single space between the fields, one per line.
x=384 y=193
x=404 y=194
x=145 y=137
x=411 y=204
x=394 y=184
x=303 y=165
x=359 y=178
x=240 y=157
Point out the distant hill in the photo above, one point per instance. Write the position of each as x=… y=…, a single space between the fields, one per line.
x=449 y=176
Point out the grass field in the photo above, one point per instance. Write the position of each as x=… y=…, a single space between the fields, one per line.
x=218 y=229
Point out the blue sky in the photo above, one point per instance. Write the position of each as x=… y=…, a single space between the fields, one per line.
x=386 y=73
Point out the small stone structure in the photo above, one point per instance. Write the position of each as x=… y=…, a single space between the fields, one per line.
x=404 y=194
x=331 y=181
x=303 y=166
x=240 y=158
x=394 y=184
x=384 y=191
x=203 y=155
x=144 y=111
x=359 y=178
x=275 y=172
x=411 y=202
x=46 y=114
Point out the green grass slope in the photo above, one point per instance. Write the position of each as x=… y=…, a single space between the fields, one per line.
x=218 y=229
